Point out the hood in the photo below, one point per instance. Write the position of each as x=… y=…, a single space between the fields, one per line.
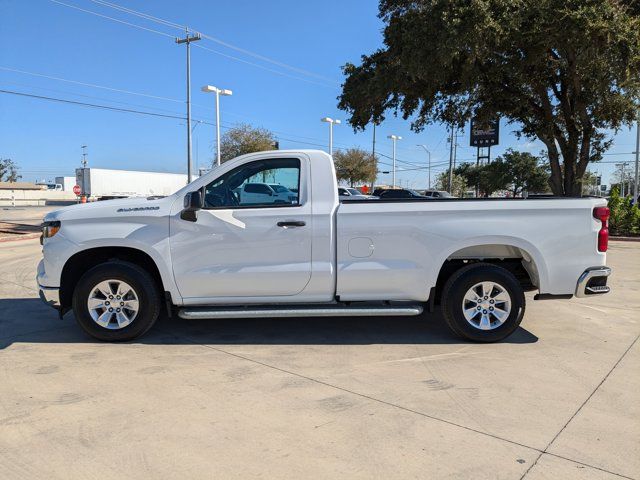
x=136 y=206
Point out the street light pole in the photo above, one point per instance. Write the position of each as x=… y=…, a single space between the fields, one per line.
x=188 y=39
x=428 y=153
x=394 y=138
x=330 y=121
x=218 y=92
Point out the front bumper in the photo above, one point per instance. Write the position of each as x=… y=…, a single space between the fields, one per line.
x=593 y=281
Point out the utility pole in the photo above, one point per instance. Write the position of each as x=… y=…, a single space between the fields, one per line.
x=451 y=137
x=84 y=156
x=188 y=39
x=455 y=150
x=635 y=185
x=373 y=147
x=373 y=153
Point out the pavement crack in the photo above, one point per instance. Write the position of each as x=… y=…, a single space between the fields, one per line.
x=426 y=415
x=353 y=392
x=545 y=451
x=18 y=284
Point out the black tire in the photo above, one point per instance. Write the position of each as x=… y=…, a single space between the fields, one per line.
x=459 y=284
x=141 y=281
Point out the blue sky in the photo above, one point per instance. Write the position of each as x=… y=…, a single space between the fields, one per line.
x=313 y=39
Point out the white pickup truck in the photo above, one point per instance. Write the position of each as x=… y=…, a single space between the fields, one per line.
x=204 y=252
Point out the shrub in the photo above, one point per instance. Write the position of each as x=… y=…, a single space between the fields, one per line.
x=625 y=217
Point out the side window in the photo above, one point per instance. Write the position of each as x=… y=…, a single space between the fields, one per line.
x=263 y=183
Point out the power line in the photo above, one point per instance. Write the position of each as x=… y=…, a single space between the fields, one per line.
x=140 y=112
x=213 y=39
x=283 y=74
x=66 y=92
x=129 y=92
x=200 y=46
x=85 y=104
x=112 y=18
x=92 y=85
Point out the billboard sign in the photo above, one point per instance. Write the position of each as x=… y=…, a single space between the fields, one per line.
x=484 y=134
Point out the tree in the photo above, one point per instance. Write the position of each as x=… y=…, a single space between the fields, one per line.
x=563 y=71
x=355 y=165
x=245 y=139
x=486 y=178
x=522 y=172
x=8 y=170
x=458 y=183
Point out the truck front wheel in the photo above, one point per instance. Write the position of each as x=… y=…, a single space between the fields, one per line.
x=483 y=302
x=116 y=301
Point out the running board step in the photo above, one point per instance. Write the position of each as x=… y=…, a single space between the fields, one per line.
x=201 y=313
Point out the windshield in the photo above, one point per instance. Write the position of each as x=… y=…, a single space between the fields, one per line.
x=279 y=188
x=354 y=191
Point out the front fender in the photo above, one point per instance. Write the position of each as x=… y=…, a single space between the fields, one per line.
x=148 y=235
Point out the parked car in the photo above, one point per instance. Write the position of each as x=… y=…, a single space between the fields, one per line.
x=348 y=193
x=253 y=193
x=437 y=194
x=400 y=193
x=199 y=254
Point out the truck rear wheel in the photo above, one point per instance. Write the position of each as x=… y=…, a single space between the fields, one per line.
x=483 y=302
x=116 y=301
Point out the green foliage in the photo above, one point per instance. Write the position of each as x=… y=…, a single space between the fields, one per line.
x=355 y=165
x=245 y=139
x=8 y=170
x=625 y=217
x=459 y=184
x=514 y=171
x=523 y=172
x=562 y=71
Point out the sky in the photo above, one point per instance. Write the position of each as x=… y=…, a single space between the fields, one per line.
x=282 y=59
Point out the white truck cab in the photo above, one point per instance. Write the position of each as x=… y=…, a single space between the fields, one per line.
x=209 y=251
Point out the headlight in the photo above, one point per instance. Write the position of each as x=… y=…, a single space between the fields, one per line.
x=49 y=229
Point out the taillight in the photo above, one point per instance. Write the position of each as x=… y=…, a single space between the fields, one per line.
x=602 y=214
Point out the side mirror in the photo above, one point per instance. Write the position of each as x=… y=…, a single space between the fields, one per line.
x=192 y=203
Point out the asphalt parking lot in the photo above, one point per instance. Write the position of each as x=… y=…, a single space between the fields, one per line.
x=321 y=398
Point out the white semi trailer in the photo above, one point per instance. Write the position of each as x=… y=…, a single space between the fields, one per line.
x=67 y=183
x=104 y=184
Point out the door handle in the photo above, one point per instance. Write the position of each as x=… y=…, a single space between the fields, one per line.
x=292 y=223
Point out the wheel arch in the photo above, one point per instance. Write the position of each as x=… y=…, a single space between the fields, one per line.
x=80 y=262
x=518 y=256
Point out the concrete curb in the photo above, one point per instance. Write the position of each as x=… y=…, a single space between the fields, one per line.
x=625 y=239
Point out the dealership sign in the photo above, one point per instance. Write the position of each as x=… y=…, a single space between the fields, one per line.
x=484 y=134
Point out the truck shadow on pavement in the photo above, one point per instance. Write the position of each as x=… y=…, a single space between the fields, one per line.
x=28 y=320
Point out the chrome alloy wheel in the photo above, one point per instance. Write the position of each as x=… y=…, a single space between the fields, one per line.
x=113 y=304
x=486 y=305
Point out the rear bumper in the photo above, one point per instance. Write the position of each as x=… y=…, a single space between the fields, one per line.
x=593 y=281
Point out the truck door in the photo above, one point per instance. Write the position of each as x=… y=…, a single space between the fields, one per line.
x=246 y=246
